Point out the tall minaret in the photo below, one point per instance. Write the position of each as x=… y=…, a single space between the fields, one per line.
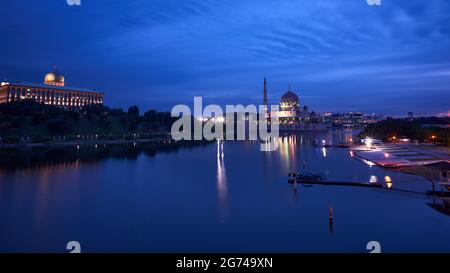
x=265 y=93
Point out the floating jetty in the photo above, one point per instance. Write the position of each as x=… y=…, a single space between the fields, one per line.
x=395 y=155
x=308 y=179
x=339 y=183
x=381 y=158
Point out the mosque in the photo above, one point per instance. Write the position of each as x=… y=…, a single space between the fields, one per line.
x=291 y=116
x=52 y=92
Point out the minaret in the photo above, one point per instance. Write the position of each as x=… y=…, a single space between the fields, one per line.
x=265 y=93
x=265 y=101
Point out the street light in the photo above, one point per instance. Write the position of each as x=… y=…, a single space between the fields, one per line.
x=369 y=142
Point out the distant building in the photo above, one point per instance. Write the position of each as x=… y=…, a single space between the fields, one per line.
x=337 y=120
x=373 y=118
x=291 y=111
x=291 y=116
x=410 y=115
x=289 y=108
x=349 y=119
x=52 y=92
x=328 y=118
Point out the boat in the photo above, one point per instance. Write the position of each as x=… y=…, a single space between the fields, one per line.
x=305 y=177
x=343 y=145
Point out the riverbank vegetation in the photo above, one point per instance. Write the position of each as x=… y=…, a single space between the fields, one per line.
x=31 y=122
x=425 y=129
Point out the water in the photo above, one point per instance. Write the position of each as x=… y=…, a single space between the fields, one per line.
x=209 y=198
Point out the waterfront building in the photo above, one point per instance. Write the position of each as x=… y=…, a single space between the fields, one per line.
x=352 y=119
x=52 y=92
x=289 y=108
x=291 y=116
x=373 y=118
x=328 y=118
x=347 y=119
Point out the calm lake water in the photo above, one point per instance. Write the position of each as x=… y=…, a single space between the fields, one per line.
x=199 y=199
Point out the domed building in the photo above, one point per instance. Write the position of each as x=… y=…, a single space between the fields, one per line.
x=291 y=116
x=54 y=78
x=52 y=92
x=289 y=101
x=289 y=108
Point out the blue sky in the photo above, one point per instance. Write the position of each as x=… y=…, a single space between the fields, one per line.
x=339 y=55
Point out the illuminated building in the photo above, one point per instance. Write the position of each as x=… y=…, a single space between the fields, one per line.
x=351 y=119
x=291 y=116
x=52 y=92
x=289 y=108
x=328 y=118
x=347 y=119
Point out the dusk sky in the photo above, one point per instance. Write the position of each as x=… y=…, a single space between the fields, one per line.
x=339 y=55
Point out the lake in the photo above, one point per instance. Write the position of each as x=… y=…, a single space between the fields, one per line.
x=217 y=197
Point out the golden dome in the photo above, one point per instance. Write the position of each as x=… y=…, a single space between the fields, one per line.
x=54 y=78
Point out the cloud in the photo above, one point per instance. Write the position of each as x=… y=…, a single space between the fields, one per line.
x=222 y=49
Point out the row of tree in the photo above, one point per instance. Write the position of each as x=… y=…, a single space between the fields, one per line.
x=433 y=129
x=29 y=118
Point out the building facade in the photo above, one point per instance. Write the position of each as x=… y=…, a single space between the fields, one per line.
x=52 y=92
x=292 y=117
x=349 y=119
x=291 y=111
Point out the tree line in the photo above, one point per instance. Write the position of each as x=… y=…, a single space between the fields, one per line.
x=28 y=118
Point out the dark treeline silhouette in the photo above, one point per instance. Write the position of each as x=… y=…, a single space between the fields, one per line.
x=425 y=129
x=40 y=122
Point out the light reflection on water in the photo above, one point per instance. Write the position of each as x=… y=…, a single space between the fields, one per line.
x=221 y=182
x=287 y=149
x=226 y=196
x=388 y=181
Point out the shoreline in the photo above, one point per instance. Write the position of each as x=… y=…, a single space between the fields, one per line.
x=85 y=143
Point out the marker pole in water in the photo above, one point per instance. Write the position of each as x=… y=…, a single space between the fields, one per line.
x=330 y=217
